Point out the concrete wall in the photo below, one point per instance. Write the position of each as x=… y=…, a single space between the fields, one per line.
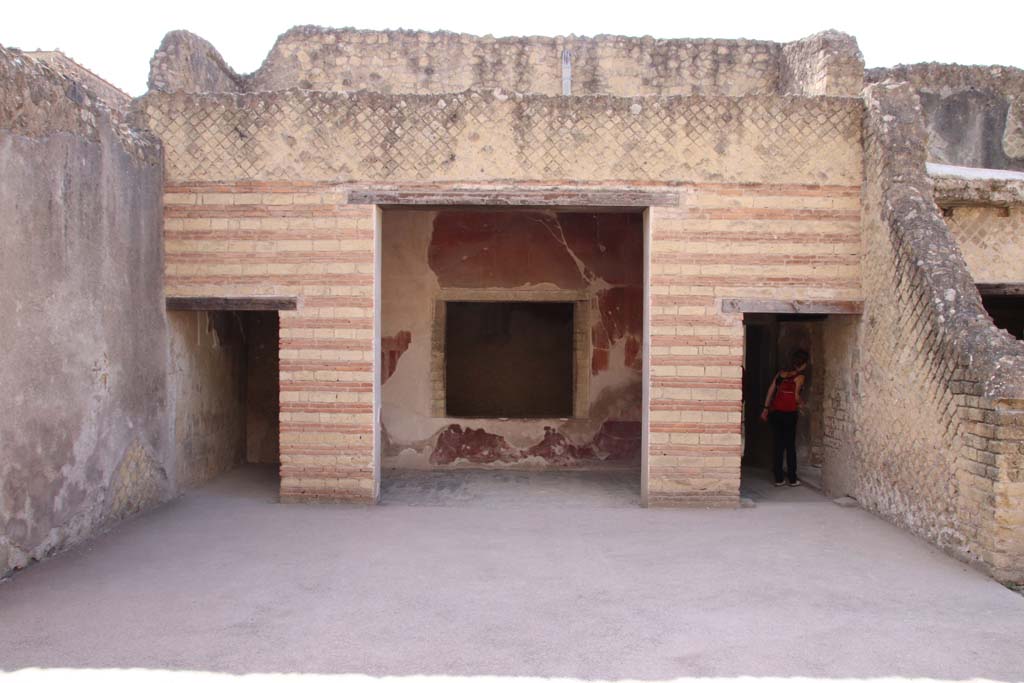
x=85 y=434
x=417 y=62
x=428 y=256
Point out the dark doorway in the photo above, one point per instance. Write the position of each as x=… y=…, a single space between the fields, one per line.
x=262 y=395
x=1006 y=311
x=509 y=359
x=770 y=342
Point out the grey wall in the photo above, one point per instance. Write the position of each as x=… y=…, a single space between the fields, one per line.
x=108 y=405
x=84 y=434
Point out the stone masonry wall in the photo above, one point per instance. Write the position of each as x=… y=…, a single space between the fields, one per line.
x=84 y=431
x=827 y=63
x=110 y=95
x=257 y=201
x=417 y=62
x=186 y=62
x=925 y=409
x=974 y=115
x=338 y=138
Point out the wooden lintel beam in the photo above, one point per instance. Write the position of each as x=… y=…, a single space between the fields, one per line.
x=239 y=303
x=557 y=197
x=1001 y=288
x=792 y=306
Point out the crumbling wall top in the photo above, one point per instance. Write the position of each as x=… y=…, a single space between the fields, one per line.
x=974 y=114
x=187 y=63
x=420 y=62
x=37 y=99
x=826 y=63
x=114 y=97
x=948 y=78
x=895 y=129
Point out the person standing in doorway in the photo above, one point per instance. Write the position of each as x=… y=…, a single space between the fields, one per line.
x=781 y=409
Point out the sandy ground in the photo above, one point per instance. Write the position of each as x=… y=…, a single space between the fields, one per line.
x=515 y=577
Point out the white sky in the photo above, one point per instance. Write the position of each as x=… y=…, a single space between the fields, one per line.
x=116 y=39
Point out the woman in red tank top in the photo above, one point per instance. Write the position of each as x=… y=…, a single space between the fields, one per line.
x=782 y=408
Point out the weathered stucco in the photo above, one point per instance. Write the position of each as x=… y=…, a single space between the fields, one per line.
x=84 y=432
x=500 y=256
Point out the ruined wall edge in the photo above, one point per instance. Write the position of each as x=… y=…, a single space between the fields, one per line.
x=958 y=480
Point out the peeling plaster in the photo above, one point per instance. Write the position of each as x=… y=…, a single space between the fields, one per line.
x=426 y=251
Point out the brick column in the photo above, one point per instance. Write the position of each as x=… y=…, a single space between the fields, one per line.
x=327 y=370
x=696 y=356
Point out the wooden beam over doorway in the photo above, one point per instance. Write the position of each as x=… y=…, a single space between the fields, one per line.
x=792 y=306
x=1001 y=288
x=233 y=303
x=514 y=195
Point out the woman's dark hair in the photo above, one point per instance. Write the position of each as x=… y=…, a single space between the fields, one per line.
x=799 y=358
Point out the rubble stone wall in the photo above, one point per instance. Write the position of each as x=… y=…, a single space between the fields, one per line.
x=186 y=62
x=827 y=63
x=113 y=97
x=418 y=62
x=924 y=394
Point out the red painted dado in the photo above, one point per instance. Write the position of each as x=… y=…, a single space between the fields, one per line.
x=616 y=441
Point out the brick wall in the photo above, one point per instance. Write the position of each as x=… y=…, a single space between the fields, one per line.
x=250 y=238
x=924 y=393
x=790 y=242
x=257 y=202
